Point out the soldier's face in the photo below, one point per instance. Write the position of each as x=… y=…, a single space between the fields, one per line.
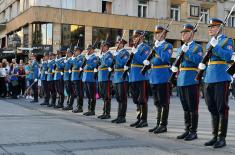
x=135 y=39
x=186 y=36
x=45 y=57
x=77 y=52
x=213 y=30
x=105 y=48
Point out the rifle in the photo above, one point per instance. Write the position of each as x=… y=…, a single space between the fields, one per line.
x=128 y=63
x=180 y=57
x=209 y=50
x=113 y=63
x=151 y=55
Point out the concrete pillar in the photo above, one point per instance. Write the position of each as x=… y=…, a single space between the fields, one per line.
x=88 y=35
x=126 y=35
x=56 y=36
x=30 y=35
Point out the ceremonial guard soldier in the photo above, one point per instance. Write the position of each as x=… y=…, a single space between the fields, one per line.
x=44 y=69
x=51 y=93
x=138 y=82
x=58 y=77
x=105 y=84
x=120 y=57
x=217 y=82
x=89 y=80
x=76 y=79
x=34 y=75
x=188 y=87
x=67 y=79
x=159 y=76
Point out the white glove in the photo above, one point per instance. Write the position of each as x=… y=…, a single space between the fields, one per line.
x=70 y=71
x=100 y=56
x=46 y=72
x=233 y=75
x=65 y=61
x=146 y=62
x=53 y=71
x=110 y=69
x=185 y=48
x=126 y=68
x=95 y=70
x=201 y=66
x=214 y=41
x=35 y=80
x=156 y=43
x=174 y=69
x=80 y=69
x=133 y=50
x=115 y=53
x=49 y=61
x=62 y=73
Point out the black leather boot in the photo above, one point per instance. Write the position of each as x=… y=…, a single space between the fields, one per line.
x=138 y=110
x=223 y=126
x=144 y=115
x=193 y=129
x=92 y=112
x=164 y=121
x=107 y=110
x=187 y=123
x=215 y=127
x=159 y=113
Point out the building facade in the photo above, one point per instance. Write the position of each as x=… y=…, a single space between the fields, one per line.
x=48 y=25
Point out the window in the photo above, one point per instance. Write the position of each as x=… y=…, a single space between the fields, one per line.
x=100 y=34
x=106 y=7
x=194 y=10
x=18 y=7
x=68 y=4
x=26 y=4
x=231 y=20
x=205 y=18
x=71 y=34
x=10 y=12
x=42 y=34
x=142 y=9
x=175 y=12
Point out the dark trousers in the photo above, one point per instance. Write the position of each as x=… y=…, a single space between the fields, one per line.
x=217 y=97
x=45 y=91
x=189 y=97
x=35 y=91
x=59 y=87
x=22 y=85
x=105 y=88
x=121 y=97
x=77 y=86
x=90 y=88
x=161 y=97
x=70 y=92
x=3 y=88
x=139 y=93
x=51 y=93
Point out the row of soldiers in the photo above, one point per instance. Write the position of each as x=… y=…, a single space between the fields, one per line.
x=77 y=71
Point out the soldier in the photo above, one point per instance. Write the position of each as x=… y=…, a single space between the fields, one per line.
x=217 y=82
x=187 y=86
x=89 y=80
x=120 y=57
x=105 y=85
x=34 y=75
x=51 y=93
x=77 y=84
x=58 y=77
x=67 y=79
x=138 y=82
x=158 y=78
x=44 y=69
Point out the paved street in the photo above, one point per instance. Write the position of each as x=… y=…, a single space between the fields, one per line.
x=29 y=129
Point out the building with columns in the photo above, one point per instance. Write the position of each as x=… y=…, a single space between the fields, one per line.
x=48 y=25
